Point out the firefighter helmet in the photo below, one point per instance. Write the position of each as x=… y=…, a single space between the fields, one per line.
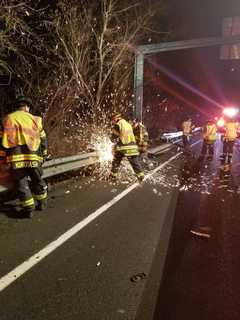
x=22 y=100
x=116 y=116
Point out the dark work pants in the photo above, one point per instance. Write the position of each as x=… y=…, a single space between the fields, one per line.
x=134 y=161
x=207 y=148
x=228 y=147
x=186 y=141
x=30 y=185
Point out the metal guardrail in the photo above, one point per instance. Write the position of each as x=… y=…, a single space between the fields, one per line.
x=59 y=166
x=160 y=149
x=62 y=165
x=171 y=136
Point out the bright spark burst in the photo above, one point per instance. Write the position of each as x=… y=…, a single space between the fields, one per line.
x=103 y=145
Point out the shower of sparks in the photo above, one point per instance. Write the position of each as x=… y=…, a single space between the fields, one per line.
x=103 y=146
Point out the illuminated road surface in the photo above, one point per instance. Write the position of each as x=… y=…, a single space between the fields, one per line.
x=99 y=251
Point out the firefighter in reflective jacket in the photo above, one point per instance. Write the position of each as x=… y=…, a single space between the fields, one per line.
x=230 y=134
x=209 y=138
x=124 y=146
x=187 y=128
x=25 y=144
x=141 y=136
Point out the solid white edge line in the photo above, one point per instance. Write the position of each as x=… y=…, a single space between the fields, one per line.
x=16 y=273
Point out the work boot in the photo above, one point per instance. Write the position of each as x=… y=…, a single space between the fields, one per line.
x=26 y=213
x=41 y=205
x=140 y=178
x=112 y=177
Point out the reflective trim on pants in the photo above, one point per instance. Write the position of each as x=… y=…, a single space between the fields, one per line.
x=27 y=203
x=40 y=196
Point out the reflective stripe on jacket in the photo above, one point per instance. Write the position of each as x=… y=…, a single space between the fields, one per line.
x=210 y=132
x=125 y=139
x=230 y=131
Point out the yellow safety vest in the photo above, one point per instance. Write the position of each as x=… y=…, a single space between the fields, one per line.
x=126 y=139
x=22 y=128
x=22 y=135
x=210 y=132
x=231 y=131
x=126 y=135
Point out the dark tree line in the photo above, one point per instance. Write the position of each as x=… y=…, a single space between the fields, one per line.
x=74 y=58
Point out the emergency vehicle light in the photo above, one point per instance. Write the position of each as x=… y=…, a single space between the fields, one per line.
x=230 y=112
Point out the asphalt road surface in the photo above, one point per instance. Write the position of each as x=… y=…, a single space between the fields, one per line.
x=106 y=251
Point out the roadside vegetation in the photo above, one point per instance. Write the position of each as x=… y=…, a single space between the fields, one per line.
x=75 y=59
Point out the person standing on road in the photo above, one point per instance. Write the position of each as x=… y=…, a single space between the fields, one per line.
x=209 y=138
x=187 y=128
x=229 y=137
x=124 y=146
x=25 y=144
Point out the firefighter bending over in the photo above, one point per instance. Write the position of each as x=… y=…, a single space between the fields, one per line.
x=124 y=146
x=229 y=137
x=26 y=147
x=209 y=138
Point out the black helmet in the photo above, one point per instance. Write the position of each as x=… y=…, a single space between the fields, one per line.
x=22 y=100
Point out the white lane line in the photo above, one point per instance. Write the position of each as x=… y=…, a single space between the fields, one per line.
x=16 y=273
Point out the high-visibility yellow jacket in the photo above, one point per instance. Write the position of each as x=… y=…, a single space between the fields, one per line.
x=231 y=129
x=24 y=139
x=124 y=139
x=187 y=127
x=141 y=136
x=210 y=132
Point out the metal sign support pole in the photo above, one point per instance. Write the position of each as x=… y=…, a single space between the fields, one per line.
x=138 y=85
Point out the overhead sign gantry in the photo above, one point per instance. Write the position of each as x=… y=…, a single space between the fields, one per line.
x=143 y=51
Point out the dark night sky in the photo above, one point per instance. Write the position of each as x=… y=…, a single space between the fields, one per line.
x=202 y=68
x=200 y=18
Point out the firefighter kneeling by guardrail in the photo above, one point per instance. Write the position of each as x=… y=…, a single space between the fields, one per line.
x=124 y=146
x=25 y=144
